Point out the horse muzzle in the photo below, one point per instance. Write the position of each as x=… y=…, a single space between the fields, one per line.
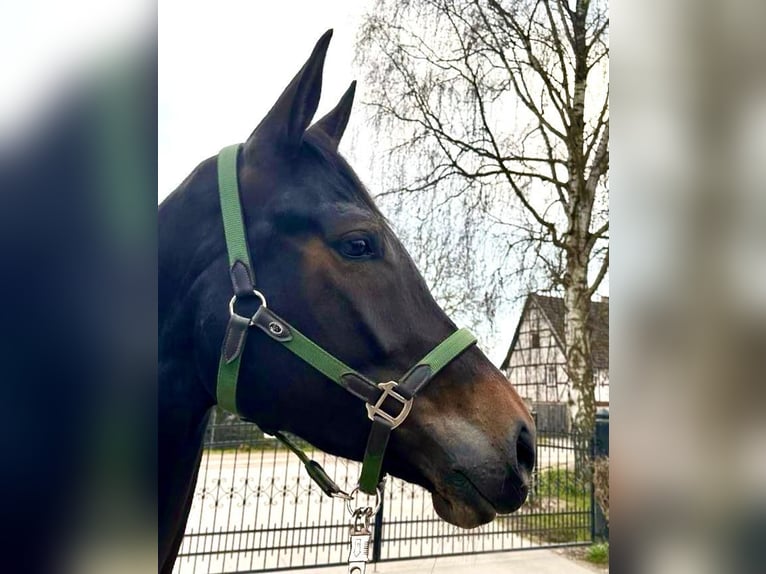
x=486 y=481
x=476 y=454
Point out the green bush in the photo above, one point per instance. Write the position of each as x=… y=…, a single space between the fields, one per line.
x=598 y=553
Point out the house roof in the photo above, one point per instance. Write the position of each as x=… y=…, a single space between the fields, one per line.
x=553 y=310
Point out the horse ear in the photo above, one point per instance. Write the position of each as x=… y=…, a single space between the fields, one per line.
x=334 y=123
x=293 y=111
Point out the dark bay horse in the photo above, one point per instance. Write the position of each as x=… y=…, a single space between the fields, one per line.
x=330 y=264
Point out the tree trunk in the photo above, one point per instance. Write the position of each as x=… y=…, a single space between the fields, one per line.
x=578 y=343
x=578 y=250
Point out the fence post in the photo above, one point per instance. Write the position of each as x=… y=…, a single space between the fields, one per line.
x=532 y=496
x=377 y=542
x=600 y=528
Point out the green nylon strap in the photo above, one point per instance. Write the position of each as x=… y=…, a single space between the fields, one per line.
x=231 y=208
x=317 y=357
x=369 y=478
x=226 y=388
x=334 y=369
x=313 y=468
x=236 y=246
x=441 y=355
x=293 y=446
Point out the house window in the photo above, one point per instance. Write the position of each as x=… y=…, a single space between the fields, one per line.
x=550 y=376
x=535 y=340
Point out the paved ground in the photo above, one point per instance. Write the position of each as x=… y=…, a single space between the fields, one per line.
x=524 y=562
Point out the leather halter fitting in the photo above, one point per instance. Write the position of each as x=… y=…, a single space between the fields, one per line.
x=378 y=396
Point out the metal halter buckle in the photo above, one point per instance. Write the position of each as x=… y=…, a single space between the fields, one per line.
x=388 y=391
x=234 y=300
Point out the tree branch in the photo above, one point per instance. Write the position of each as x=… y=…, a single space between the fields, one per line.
x=600 y=163
x=600 y=276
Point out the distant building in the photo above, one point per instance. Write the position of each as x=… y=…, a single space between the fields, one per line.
x=535 y=362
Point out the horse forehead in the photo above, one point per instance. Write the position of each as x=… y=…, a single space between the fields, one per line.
x=349 y=211
x=330 y=213
x=335 y=183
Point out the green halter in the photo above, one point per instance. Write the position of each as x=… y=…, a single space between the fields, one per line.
x=401 y=392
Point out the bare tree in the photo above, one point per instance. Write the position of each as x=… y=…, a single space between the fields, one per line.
x=496 y=114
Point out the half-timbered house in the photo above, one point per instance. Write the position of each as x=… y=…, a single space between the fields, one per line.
x=535 y=362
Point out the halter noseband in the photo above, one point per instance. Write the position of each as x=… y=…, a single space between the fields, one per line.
x=401 y=393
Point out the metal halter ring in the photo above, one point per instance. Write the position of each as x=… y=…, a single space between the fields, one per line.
x=234 y=300
x=378 y=502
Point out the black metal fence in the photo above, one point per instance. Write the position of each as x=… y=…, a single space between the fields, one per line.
x=255 y=508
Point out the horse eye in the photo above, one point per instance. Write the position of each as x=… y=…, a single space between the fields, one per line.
x=356 y=248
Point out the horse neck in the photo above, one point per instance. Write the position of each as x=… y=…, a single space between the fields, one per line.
x=187 y=232
x=190 y=236
x=182 y=422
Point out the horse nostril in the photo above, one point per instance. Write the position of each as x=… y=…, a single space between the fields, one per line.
x=525 y=450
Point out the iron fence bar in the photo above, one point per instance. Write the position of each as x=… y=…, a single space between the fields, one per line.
x=377 y=542
x=593 y=485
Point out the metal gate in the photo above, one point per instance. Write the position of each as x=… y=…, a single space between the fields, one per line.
x=255 y=508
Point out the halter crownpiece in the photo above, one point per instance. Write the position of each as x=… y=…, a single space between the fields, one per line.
x=401 y=393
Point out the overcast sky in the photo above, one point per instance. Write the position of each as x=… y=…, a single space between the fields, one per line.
x=223 y=64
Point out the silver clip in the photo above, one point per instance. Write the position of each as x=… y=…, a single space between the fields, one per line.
x=359 y=553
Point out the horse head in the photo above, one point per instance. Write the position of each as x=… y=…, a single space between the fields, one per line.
x=329 y=263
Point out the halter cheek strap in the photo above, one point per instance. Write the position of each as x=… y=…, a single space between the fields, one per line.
x=388 y=404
